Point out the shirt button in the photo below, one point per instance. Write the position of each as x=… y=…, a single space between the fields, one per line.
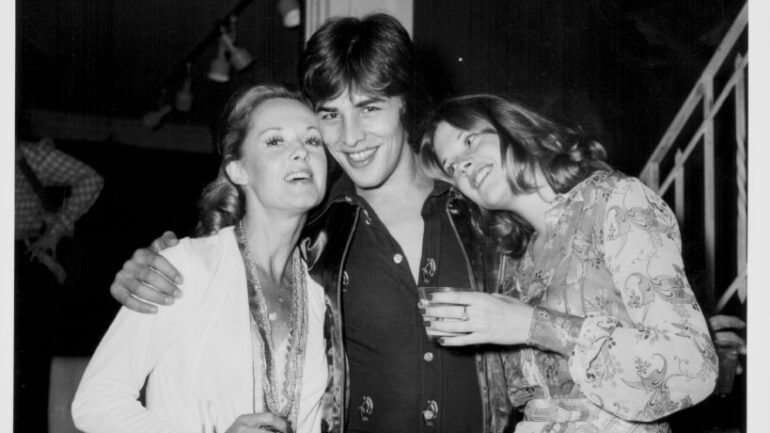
x=428 y=357
x=398 y=258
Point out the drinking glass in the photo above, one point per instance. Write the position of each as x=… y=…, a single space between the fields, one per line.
x=425 y=295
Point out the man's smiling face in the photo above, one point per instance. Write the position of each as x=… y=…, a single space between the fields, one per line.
x=365 y=135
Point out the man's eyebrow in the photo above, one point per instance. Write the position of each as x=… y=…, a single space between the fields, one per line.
x=367 y=101
x=359 y=104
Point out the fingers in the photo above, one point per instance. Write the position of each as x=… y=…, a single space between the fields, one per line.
x=446 y=311
x=460 y=340
x=474 y=298
x=60 y=274
x=432 y=333
x=146 y=258
x=444 y=319
x=457 y=297
x=39 y=249
x=154 y=272
x=34 y=253
x=149 y=267
x=125 y=298
x=261 y=422
x=166 y=240
x=721 y=321
x=140 y=283
x=137 y=278
x=448 y=326
x=120 y=292
x=147 y=293
x=456 y=333
x=728 y=338
x=151 y=278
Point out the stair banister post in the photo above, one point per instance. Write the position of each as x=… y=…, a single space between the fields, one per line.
x=709 y=202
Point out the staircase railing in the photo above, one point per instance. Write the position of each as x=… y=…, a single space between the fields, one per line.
x=701 y=99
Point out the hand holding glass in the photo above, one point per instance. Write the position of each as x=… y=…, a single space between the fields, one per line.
x=426 y=294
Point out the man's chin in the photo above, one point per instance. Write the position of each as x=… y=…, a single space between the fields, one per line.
x=367 y=181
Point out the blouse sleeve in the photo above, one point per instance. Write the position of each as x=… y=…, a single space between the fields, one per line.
x=107 y=397
x=664 y=360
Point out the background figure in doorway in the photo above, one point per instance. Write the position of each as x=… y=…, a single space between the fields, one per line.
x=53 y=190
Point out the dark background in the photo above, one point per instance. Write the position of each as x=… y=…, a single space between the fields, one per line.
x=620 y=69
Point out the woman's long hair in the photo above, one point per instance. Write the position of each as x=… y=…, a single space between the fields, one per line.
x=528 y=142
x=222 y=202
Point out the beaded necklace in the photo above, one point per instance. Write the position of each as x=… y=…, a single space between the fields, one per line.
x=281 y=401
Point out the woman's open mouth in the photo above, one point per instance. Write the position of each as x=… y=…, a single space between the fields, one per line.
x=480 y=175
x=299 y=176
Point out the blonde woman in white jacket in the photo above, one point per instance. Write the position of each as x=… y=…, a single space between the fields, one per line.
x=243 y=350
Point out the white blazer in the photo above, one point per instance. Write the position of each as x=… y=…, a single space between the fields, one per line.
x=197 y=353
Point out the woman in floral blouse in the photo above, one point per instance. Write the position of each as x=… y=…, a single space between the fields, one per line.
x=599 y=326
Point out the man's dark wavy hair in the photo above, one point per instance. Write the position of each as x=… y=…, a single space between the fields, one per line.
x=372 y=56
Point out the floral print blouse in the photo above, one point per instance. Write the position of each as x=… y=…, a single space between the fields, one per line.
x=618 y=340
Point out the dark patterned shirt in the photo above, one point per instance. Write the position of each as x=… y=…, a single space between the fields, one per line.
x=400 y=379
x=53 y=167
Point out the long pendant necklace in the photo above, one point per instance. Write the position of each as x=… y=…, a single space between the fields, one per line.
x=281 y=401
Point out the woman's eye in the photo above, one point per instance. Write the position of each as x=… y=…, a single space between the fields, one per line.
x=274 y=141
x=469 y=139
x=371 y=109
x=314 y=141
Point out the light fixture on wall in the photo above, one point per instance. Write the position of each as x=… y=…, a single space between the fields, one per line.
x=229 y=56
x=184 y=97
x=153 y=119
x=239 y=58
x=289 y=12
x=219 y=70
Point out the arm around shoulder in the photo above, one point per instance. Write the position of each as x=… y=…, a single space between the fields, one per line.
x=148 y=279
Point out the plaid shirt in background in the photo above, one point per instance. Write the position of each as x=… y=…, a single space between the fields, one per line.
x=54 y=168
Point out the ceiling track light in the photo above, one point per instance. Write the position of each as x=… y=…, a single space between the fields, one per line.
x=219 y=70
x=289 y=12
x=184 y=97
x=229 y=56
